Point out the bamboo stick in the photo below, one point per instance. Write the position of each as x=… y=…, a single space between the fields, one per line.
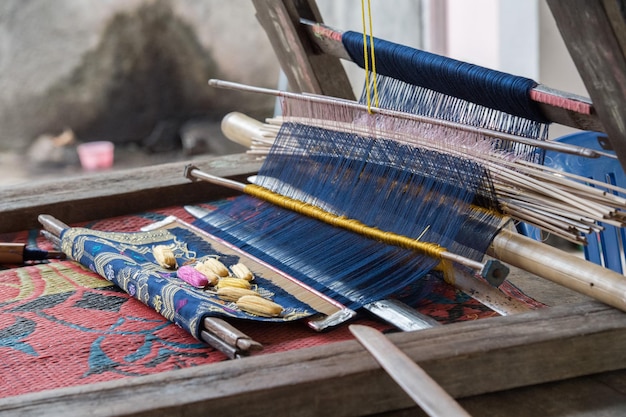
x=560 y=267
x=516 y=182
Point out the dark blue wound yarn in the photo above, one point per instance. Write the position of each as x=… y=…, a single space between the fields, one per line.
x=494 y=89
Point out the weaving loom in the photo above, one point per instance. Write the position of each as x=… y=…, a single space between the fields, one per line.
x=334 y=164
x=284 y=376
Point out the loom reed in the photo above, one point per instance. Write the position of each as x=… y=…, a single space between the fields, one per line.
x=514 y=182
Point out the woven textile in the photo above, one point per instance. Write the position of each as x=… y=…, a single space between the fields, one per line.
x=62 y=324
x=127 y=260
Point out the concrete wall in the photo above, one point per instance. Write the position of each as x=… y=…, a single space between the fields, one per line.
x=117 y=69
x=557 y=69
x=398 y=21
x=113 y=69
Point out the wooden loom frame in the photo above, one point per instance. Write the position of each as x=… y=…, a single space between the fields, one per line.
x=470 y=360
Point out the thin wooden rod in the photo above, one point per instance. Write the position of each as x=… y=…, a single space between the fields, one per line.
x=490 y=270
x=420 y=386
x=548 y=145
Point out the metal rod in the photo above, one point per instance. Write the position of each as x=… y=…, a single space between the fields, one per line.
x=548 y=145
x=401 y=315
x=492 y=270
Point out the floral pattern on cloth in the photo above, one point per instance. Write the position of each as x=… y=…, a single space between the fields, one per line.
x=126 y=259
x=62 y=325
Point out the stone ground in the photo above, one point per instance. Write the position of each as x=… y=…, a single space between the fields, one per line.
x=16 y=168
x=203 y=138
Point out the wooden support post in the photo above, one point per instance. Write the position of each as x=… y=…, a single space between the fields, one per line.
x=306 y=67
x=116 y=193
x=595 y=34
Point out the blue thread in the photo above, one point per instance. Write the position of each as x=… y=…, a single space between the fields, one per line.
x=380 y=182
x=487 y=87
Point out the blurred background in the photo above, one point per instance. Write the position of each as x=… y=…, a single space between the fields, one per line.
x=134 y=72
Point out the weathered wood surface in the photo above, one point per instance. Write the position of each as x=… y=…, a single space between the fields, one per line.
x=540 y=352
x=340 y=379
x=597 y=395
x=595 y=34
x=306 y=69
x=115 y=193
x=483 y=363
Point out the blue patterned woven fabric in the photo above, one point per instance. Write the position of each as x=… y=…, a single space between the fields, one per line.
x=126 y=259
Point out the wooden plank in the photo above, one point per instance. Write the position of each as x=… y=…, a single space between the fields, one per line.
x=598 y=395
x=115 y=193
x=307 y=69
x=592 y=38
x=339 y=379
x=582 y=397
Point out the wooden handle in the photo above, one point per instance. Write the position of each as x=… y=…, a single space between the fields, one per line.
x=52 y=224
x=12 y=253
x=240 y=128
x=561 y=267
x=424 y=390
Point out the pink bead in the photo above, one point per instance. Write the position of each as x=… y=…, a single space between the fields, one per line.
x=192 y=276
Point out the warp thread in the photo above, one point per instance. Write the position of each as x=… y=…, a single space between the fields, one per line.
x=484 y=86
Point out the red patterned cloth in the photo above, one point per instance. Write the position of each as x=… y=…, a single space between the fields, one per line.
x=63 y=325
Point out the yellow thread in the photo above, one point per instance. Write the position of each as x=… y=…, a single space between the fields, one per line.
x=369 y=12
x=366 y=58
x=432 y=250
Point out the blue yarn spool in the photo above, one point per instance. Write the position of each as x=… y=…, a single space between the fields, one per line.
x=493 y=89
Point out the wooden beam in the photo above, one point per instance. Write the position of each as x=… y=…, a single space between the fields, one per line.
x=115 y=193
x=592 y=31
x=597 y=395
x=340 y=379
x=329 y=41
x=307 y=69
